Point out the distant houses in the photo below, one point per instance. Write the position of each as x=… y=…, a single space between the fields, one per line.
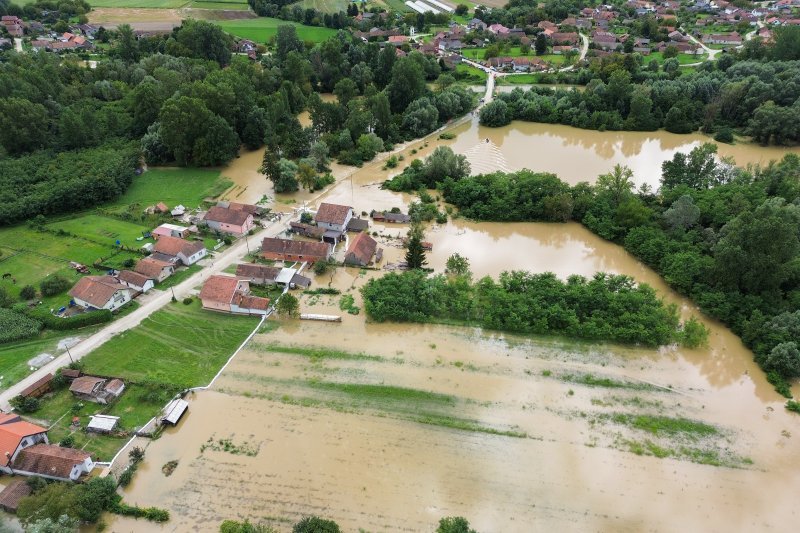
x=231 y=295
x=170 y=230
x=388 y=216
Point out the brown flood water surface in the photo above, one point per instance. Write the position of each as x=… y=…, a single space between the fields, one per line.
x=497 y=432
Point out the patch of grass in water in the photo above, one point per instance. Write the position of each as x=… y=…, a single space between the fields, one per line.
x=383 y=393
x=664 y=425
x=465 y=425
x=316 y=353
x=591 y=380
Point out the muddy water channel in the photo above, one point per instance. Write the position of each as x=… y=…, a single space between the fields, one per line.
x=390 y=427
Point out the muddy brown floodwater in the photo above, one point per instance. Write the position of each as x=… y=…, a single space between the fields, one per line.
x=405 y=424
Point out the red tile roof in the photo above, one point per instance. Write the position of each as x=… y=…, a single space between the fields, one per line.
x=49 y=460
x=219 y=289
x=174 y=246
x=361 y=249
x=96 y=290
x=134 y=278
x=13 y=493
x=332 y=213
x=151 y=267
x=234 y=217
x=12 y=430
x=85 y=384
x=248 y=301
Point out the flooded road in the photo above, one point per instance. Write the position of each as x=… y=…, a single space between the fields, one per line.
x=400 y=425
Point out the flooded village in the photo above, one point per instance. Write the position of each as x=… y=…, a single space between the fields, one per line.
x=517 y=441
x=198 y=324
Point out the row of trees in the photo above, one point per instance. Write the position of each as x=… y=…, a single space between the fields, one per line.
x=604 y=308
x=759 y=99
x=727 y=237
x=315 y=524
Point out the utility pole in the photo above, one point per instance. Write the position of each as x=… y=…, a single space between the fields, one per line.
x=71 y=360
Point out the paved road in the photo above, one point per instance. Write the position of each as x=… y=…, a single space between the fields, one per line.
x=220 y=262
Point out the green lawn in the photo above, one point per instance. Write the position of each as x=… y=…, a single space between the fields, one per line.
x=102 y=230
x=179 y=276
x=14 y=356
x=683 y=59
x=173 y=186
x=519 y=79
x=324 y=6
x=471 y=74
x=236 y=5
x=479 y=53
x=262 y=28
x=139 y=3
x=180 y=344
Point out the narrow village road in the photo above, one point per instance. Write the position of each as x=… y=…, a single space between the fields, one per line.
x=712 y=54
x=18 y=44
x=220 y=262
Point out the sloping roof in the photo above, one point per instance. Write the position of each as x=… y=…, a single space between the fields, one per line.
x=175 y=245
x=12 y=430
x=235 y=217
x=13 y=493
x=85 y=384
x=286 y=275
x=219 y=288
x=102 y=423
x=96 y=290
x=247 y=208
x=247 y=301
x=134 y=278
x=257 y=271
x=358 y=224
x=301 y=281
x=33 y=387
x=115 y=386
x=174 y=411
x=307 y=229
x=362 y=248
x=284 y=246
x=151 y=267
x=49 y=460
x=332 y=213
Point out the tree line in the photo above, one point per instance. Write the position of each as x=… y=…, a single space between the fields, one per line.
x=604 y=308
x=727 y=237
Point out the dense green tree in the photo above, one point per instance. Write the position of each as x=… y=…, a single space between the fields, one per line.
x=127 y=47
x=457 y=265
x=23 y=125
x=495 y=114
x=415 y=253
x=63 y=524
x=698 y=170
x=541 y=44
x=784 y=359
x=201 y=39
x=618 y=184
x=682 y=214
x=406 y=85
x=288 y=306
x=787 y=43
x=420 y=118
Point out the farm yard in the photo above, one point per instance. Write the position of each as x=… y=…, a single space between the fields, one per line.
x=262 y=29
x=177 y=347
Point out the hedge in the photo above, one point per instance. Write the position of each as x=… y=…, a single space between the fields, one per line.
x=81 y=320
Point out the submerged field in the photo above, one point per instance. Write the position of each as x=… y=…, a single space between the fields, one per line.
x=389 y=427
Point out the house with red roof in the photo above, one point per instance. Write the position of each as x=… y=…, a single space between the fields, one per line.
x=16 y=435
x=361 y=250
x=100 y=292
x=231 y=294
x=233 y=221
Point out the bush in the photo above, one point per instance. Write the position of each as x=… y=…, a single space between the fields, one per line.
x=793 y=406
x=187 y=301
x=314 y=524
x=54 y=285
x=28 y=292
x=74 y=322
x=67 y=442
x=724 y=135
x=25 y=404
x=15 y=326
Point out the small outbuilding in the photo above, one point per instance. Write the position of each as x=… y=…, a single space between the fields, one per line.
x=12 y=494
x=102 y=423
x=174 y=411
x=38 y=387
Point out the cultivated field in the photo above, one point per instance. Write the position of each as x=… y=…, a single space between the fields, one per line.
x=150 y=4
x=263 y=28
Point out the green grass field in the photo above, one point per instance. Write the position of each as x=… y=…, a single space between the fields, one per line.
x=173 y=186
x=519 y=79
x=164 y=4
x=683 y=59
x=324 y=6
x=473 y=75
x=222 y=5
x=102 y=230
x=180 y=344
x=262 y=28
